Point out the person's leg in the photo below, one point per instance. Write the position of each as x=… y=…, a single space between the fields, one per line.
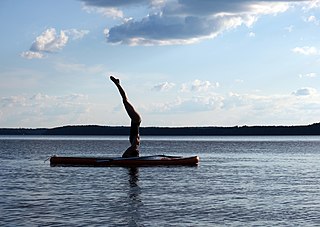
x=117 y=83
x=133 y=114
x=134 y=138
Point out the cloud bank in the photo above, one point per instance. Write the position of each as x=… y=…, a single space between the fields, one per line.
x=42 y=109
x=50 y=41
x=302 y=106
x=171 y=22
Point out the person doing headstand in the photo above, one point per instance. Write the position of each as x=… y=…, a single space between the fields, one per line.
x=133 y=150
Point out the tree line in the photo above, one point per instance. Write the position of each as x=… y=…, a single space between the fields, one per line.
x=313 y=129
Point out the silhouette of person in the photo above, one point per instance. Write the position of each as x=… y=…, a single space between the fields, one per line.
x=133 y=150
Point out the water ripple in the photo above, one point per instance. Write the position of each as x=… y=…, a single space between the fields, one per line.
x=259 y=182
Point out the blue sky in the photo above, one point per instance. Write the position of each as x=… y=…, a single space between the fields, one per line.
x=182 y=63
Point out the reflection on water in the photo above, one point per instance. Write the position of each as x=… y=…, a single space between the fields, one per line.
x=134 y=203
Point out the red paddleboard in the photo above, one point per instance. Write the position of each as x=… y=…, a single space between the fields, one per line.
x=155 y=160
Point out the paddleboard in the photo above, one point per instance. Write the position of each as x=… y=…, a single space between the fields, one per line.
x=154 y=160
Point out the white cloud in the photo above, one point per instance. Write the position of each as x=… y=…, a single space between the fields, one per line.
x=312 y=19
x=32 y=55
x=165 y=86
x=306 y=50
x=198 y=86
x=252 y=34
x=309 y=75
x=187 y=105
x=75 y=33
x=311 y=5
x=307 y=91
x=171 y=22
x=115 y=3
x=50 y=42
x=105 y=11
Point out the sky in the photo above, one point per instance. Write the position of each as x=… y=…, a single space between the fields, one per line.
x=181 y=62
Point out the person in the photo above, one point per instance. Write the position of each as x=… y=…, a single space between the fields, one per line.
x=133 y=150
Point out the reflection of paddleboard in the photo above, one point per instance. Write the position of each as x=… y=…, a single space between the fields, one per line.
x=155 y=160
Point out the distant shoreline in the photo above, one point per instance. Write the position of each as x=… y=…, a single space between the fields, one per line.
x=313 y=129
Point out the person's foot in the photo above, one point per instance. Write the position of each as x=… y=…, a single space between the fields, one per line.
x=114 y=80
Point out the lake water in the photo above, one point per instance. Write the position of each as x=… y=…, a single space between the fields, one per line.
x=240 y=181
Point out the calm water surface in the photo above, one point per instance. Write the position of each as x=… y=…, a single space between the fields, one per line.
x=240 y=181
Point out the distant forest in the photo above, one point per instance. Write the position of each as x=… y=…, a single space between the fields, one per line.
x=313 y=129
